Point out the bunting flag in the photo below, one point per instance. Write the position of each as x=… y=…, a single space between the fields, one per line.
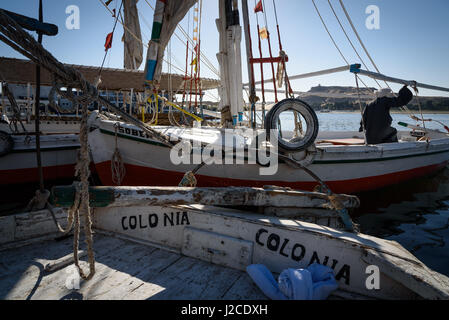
x=263 y=33
x=108 y=2
x=113 y=13
x=108 y=43
x=196 y=49
x=195 y=63
x=259 y=7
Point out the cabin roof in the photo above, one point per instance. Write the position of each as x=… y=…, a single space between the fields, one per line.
x=19 y=71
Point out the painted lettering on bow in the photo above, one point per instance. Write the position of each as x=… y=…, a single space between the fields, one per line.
x=300 y=253
x=153 y=220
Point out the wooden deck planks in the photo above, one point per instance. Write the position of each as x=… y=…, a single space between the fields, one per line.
x=124 y=270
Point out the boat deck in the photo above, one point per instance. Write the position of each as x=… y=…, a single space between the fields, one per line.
x=124 y=270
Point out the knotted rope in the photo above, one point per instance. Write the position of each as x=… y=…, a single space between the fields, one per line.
x=118 y=169
x=188 y=180
x=82 y=170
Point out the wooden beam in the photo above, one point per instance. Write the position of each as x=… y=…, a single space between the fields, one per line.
x=101 y=197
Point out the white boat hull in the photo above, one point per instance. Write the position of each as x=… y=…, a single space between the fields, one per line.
x=58 y=152
x=235 y=239
x=346 y=169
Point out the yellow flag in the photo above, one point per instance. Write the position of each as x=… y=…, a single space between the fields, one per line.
x=263 y=33
x=195 y=63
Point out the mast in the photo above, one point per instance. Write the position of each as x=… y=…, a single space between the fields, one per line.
x=37 y=109
x=229 y=57
x=249 y=55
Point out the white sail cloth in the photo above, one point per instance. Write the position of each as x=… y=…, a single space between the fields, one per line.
x=174 y=12
x=133 y=48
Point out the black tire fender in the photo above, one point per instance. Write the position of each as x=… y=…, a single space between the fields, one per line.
x=309 y=115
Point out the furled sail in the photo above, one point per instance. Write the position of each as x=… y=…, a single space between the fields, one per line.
x=167 y=15
x=133 y=47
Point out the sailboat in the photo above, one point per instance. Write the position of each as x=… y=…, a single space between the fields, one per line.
x=340 y=159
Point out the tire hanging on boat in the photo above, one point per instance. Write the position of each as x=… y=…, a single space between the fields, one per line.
x=6 y=143
x=296 y=144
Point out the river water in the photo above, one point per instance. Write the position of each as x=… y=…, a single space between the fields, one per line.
x=415 y=213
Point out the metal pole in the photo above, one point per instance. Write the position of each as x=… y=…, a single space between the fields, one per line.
x=37 y=107
x=356 y=69
x=310 y=74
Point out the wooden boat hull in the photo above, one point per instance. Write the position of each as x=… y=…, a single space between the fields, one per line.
x=235 y=239
x=59 y=154
x=346 y=169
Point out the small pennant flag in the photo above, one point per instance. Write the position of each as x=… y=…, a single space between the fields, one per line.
x=196 y=49
x=113 y=13
x=259 y=7
x=108 y=2
x=108 y=43
x=195 y=63
x=263 y=33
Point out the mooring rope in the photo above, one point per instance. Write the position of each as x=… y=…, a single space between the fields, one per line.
x=117 y=166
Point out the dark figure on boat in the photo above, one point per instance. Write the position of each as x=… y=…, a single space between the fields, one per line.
x=377 y=119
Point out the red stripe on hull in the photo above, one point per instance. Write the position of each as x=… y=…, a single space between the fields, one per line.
x=27 y=175
x=144 y=176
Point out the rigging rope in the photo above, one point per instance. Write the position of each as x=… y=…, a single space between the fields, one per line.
x=107 y=51
x=360 y=105
x=270 y=51
x=360 y=40
x=347 y=37
x=415 y=88
x=333 y=40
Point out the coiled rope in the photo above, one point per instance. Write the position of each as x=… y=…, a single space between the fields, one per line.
x=117 y=166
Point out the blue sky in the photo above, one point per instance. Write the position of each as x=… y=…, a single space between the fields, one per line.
x=412 y=42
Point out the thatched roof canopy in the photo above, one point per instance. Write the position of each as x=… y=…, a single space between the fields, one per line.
x=20 y=71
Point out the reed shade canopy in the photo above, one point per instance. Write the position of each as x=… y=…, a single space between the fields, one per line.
x=18 y=71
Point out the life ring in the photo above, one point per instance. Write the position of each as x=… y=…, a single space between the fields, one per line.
x=309 y=116
x=6 y=143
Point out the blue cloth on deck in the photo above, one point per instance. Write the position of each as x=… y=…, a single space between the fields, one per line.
x=314 y=283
